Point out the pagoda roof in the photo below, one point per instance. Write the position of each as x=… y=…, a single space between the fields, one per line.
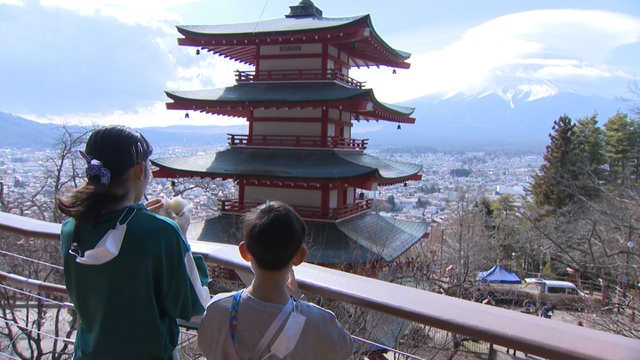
x=238 y=41
x=239 y=100
x=355 y=240
x=388 y=237
x=278 y=26
x=283 y=164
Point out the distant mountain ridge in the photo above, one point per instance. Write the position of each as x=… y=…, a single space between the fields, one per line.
x=189 y=135
x=488 y=121
x=18 y=132
x=512 y=109
x=21 y=133
x=517 y=119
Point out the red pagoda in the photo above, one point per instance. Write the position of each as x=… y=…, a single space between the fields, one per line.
x=300 y=103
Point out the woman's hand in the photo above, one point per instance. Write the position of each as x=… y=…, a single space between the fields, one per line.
x=154 y=205
x=183 y=219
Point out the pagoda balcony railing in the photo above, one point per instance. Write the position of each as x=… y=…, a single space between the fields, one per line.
x=306 y=212
x=297 y=75
x=297 y=141
x=534 y=335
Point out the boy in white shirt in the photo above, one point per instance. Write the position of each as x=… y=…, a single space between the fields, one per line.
x=237 y=325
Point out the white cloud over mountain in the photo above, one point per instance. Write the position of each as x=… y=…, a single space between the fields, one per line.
x=108 y=61
x=539 y=52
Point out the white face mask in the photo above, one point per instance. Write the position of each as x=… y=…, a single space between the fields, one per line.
x=288 y=338
x=108 y=247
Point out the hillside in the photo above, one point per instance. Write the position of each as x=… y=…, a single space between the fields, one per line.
x=486 y=122
x=18 y=132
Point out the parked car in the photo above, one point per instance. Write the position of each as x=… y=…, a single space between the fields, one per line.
x=562 y=294
x=555 y=287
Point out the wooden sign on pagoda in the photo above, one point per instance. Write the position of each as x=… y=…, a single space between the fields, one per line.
x=300 y=104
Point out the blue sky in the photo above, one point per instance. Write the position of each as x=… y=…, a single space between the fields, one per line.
x=109 y=61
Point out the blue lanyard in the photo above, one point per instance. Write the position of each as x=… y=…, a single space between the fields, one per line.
x=233 y=319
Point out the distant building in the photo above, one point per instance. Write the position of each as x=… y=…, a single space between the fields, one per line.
x=406 y=204
x=507 y=190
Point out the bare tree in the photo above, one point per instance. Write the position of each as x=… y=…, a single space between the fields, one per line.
x=598 y=238
x=464 y=247
x=35 y=325
x=202 y=193
x=63 y=166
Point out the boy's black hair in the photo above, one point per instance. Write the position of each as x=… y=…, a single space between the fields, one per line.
x=273 y=233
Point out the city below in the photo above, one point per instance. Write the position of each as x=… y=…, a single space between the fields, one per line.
x=444 y=177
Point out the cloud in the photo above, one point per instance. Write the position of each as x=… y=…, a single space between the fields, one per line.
x=132 y=12
x=554 y=72
x=110 y=60
x=56 y=62
x=105 y=61
x=210 y=72
x=546 y=44
x=152 y=115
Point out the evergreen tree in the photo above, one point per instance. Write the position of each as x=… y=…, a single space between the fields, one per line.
x=620 y=142
x=635 y=156
x=589 y=156
x=552 y=185
x=503 y=206
x=391 y=200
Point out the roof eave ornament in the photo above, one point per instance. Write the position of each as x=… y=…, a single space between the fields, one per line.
x=305 y=8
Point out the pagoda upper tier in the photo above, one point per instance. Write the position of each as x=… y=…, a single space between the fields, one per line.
x=242 y=100
x=353 y=41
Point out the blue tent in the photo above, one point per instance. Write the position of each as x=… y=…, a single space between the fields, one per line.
x=498 y=274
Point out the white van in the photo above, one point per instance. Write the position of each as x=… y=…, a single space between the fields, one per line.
x=555 y=287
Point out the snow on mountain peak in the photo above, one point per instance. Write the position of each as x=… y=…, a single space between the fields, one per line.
x=525 y=84
x=509 y=93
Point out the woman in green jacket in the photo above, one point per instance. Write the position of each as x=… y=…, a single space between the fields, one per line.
x=129 y=272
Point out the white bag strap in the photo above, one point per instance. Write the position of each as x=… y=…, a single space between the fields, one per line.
x=286 y=310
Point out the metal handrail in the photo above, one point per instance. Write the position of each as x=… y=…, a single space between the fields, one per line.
x=297 y=75
x=530 y=334
x=297 y=141
x=306 y=212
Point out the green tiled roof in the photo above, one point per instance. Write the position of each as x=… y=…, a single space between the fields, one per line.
x=288 y=165
x=388 y=237
x=281 y=26
x=357 y=240
x=254 y=95
x=272 y=26
x=273 y=93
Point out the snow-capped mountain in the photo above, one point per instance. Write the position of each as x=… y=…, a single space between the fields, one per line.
x=533 y=82
x=510 y=109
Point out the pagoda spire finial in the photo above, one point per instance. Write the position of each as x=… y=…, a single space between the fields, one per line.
x=303 y=9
